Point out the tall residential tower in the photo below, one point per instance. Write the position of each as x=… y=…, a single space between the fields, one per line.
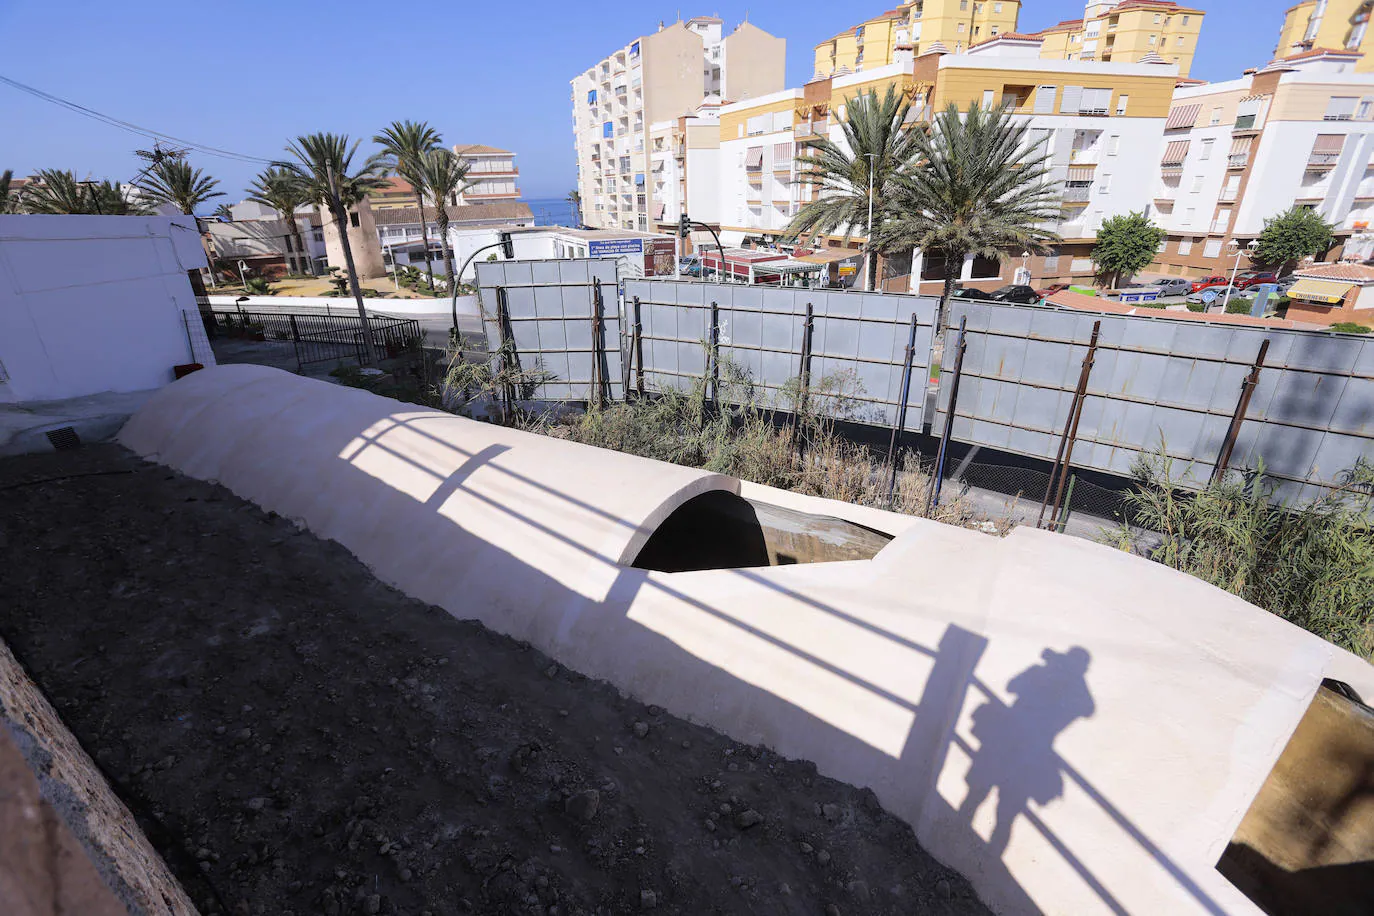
x=658 y=77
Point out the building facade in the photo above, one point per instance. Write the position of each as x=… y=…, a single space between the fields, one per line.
x=912 y=29
x=655 y=78
x=492 y=177
x=1300 y=131
x=400 y=240
x=1334 y=24
x=1127 y=31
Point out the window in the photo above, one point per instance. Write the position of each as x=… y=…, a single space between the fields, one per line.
x=1179 y=43
x=1212 y=249
x=1153 y=39
x=1104 y=184
x=1073 y=96
x=997 y=7
x=1189 y=216
x=1156 y=19
x=1362 y=113
x=1216 y=116
x=1095 y=101
x=1044 y=100
x=987 y=99
x=1185 y=20
x=977 y=7
x=1197 y=185
x=1121 y=103
x=1207 y=149
x=353 y=220
x=961 y=28
x=1113 y=143
x=1185 y=246
x=1340 y=108
x=963 y=5
x=994 y=30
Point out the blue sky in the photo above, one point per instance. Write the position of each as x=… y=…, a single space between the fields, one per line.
x=246 y=76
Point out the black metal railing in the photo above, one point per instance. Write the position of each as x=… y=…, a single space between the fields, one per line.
x=316 y=338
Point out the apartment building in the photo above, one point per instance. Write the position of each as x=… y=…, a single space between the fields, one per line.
x=911 y=29
x=655 y=78
x=1335 y=24
x=1299 y=131
x=1101 y=125
x=398 y=228
x=1127 y=31
x=492 y=174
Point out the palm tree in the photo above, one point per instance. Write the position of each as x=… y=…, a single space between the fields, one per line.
x=444 y=175
x=981 y=188
x=8 y=201
x=57 y=191
x=857 y=178
x=575 y=199
x=322 y=167
x=172 y=180
x=404 y=144
x=280 y=190
x=224 y=212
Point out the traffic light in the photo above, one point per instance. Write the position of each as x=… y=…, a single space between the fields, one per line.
x=684 y=226
x=507 y=245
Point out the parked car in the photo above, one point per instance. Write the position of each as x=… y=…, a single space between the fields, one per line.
x=689 y=265
x=1174 y=286
x=1205 y=282
x=1050 y=290
x=961 y=292
x=1249 y=278
x=1286 y=283
x=1024 y=295
x=1207 y=295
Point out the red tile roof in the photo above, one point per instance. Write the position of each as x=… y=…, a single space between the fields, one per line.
x=1320 y=52
x=1355 y=273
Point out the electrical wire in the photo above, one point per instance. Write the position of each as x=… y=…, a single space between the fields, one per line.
x=126 y=125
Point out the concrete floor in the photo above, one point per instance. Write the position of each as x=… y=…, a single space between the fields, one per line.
x=96 y=417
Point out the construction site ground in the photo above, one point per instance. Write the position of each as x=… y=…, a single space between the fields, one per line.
x=296 y=737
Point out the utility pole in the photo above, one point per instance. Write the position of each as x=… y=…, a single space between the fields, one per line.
x=870 y=265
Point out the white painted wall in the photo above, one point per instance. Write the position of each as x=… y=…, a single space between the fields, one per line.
x=1277 y=178
x=90 y=304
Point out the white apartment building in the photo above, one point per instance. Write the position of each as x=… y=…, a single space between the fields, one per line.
x=492 y=174
x=654 y=78
x=1299 y=131
x=1100 y=124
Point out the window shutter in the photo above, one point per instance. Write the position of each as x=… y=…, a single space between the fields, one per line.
x=1044 y=100
x=1113 y=143
x=1340 y=108
x=1073 y=97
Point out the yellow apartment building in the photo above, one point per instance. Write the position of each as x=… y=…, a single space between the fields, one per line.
x=1336 y=24
x=913 y=28
x=1127 y=31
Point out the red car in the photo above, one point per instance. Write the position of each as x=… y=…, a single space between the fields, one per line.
x=1255 y=277
x=1207 y=283
x=1051 y=290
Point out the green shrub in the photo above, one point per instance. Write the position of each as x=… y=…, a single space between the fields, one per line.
x=1151 y=305
x=1197 y=306
x=1238 y=307
x=259 y=286
x=1350 y=327
x=1311 y=564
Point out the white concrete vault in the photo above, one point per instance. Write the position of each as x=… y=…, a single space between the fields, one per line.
x=1075 y=729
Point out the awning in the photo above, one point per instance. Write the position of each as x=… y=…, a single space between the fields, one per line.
x=755 y=158
x=1182 y=116
x=1328 y=143
x=1079 y=173
x=1175 y=152
x=1241 y=145
x=658 y=211
x=1326 y=292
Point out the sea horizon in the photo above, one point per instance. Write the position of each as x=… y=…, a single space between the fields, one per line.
x=551 y=211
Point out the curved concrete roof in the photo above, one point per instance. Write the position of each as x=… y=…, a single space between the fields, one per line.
x=1122 y=715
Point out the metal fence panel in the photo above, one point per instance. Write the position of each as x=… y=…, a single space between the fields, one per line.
x=859 y=341
x=1164 y=384
x=317 y=338
x=550 y=308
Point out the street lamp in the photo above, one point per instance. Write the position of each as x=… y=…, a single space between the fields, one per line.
x=1236 y=249
x=243 y=275
x=869 y=266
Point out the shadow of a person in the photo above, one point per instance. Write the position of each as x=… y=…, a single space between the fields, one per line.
x=1015 y=753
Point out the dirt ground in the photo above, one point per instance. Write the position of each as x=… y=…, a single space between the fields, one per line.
x=296 y=737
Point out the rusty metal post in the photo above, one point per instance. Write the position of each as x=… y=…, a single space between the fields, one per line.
x=639 y=351
x=713 y=352
x=1247 y=388
x=598 y=375
x=804 y=370
x=295 y=342
x=933 y=497
x=506 y=359
x=901 y=409
x=1066 y=441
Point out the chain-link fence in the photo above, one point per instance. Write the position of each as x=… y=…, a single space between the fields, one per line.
x=1080 y=497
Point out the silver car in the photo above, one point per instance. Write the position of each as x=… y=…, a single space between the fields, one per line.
x=1173 y=286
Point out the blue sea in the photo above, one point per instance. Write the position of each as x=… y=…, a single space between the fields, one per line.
x=552 y=211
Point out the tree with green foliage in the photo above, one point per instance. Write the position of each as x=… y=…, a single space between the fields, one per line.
x=172 y=180
x=405 y=144
x=8 y=201
x=283 y=192
x=224 y=212
x=57 y=191
x=1295 y=234
x=859 y=176
x=1125 y=244
x=445 y=177
x=575 y=199
x=323 y=167
x=981 y=188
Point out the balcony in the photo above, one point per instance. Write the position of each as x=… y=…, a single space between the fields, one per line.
x=812 y=129
x=1237 y=160
x=1320 y=162
x=1083 y=156
x=1078 y=195
x=1247 y=124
